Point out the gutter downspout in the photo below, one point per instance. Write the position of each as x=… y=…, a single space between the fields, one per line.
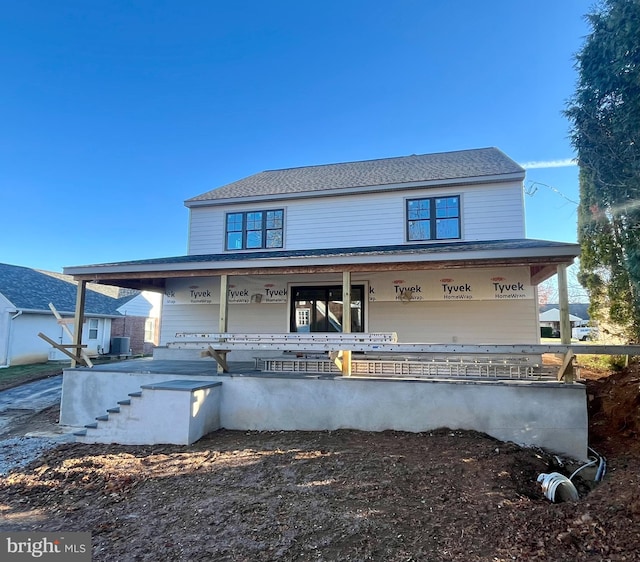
x=5 y=359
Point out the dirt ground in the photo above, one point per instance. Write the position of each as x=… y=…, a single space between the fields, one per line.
x=342 y=495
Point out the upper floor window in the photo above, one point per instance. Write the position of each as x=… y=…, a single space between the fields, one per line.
x=254 y=230
x=433 y=218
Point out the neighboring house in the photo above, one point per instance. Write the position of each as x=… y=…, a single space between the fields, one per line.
x=140 y=321
x=579 y=309
x=140 y=312
x=551 y=319
x=550 y=315
x=25 y=295
x=431 y=246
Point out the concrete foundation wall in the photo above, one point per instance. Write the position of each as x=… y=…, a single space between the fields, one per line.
x=549 y=415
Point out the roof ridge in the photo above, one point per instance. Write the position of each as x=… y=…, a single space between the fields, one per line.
x=379 y=159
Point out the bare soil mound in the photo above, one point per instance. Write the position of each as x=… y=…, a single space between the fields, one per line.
x=614 y=411
x=343 y=495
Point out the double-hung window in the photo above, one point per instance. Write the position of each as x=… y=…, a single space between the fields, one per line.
x=254 y=230
x=93 y=328
x=433 y=218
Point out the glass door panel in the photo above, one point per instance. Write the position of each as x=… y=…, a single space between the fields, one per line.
x=320 y=309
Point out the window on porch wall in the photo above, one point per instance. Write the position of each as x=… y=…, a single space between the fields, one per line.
x=319 y=309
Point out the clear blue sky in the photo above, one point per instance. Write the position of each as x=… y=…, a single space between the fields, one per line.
x=112 y=113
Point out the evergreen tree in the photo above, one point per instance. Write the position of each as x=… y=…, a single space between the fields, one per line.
x=605 y=117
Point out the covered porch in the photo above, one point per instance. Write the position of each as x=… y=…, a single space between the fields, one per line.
x=439 y=290
x=448 y=293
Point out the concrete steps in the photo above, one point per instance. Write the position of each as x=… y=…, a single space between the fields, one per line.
x=173 y=412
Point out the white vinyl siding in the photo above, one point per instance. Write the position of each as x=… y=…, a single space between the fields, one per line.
x=146 y=304
x=489 y=212
x=6 y=312
x=493 y=213
x=26 y=347
x=188 y=318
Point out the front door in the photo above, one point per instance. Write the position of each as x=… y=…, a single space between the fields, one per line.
x=319 y=309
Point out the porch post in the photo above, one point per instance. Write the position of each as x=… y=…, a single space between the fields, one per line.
x=78 y=320
x=563 y=296
x=346 y=302
x=346 y=320
x=224 y=304
x=222 y=318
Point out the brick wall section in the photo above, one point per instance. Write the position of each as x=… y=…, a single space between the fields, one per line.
x=132 y=327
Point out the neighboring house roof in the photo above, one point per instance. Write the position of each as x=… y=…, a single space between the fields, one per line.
x=120 y=293
x=553 y=315
x=29 y=289
x=580 y=309
x=394 y=173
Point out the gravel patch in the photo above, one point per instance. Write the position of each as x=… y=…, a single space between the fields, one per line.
x=17 y=452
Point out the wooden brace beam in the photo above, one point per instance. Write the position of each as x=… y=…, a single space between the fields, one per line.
x=62 y=346
x=342 y=360
x=567 y=371
x=63 y=323
x=220 y=355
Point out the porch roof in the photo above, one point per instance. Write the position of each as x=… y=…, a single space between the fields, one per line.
x=542 y=256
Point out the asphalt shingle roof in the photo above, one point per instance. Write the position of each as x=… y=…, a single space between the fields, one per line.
x=384 y=172
x=580 y=309
x=29 y=289
x=263 y=257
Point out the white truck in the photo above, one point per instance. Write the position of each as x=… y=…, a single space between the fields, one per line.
x=583 y=333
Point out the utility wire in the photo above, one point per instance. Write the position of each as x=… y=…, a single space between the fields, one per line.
x=533 y=188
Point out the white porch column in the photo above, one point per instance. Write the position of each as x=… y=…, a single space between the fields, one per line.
x=222 y=319
x=563 y=296
x=78 y=320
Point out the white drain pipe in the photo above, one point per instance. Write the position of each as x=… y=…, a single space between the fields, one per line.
x=557 y=487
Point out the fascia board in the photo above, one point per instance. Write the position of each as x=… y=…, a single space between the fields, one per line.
x=69 y=312
x=454 y=182
x=568 y=251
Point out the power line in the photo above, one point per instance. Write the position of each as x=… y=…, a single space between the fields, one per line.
x=533 y=188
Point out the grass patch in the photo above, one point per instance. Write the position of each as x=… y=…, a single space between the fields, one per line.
x=12 y=376
x=603 y=362
x=19 y=374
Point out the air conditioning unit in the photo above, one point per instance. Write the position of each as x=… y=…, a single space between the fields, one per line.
x=120 y=346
